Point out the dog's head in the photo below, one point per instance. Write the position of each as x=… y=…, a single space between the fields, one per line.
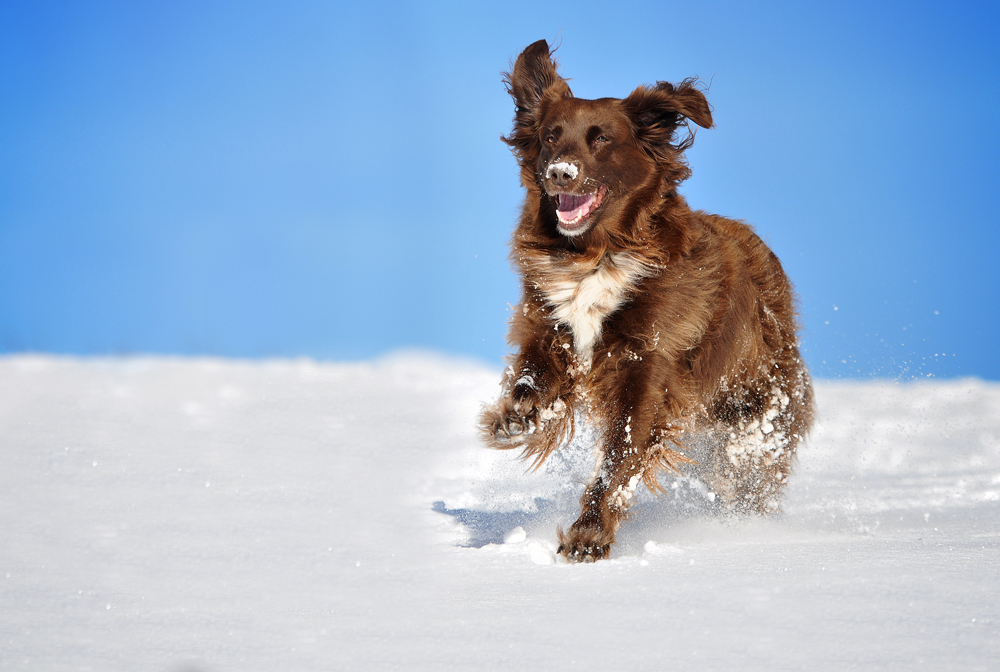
x=592 y=157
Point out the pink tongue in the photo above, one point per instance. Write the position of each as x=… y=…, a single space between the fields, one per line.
x=572 y=206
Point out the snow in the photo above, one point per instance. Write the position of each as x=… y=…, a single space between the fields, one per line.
x=200 y=514
x=564 y=167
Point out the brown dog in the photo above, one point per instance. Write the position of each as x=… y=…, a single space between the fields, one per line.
x=655 y=322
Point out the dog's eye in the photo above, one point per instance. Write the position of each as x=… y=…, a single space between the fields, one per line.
x=597 y=137
x=551 y=139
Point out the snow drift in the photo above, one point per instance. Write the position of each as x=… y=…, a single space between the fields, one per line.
x=195 y=514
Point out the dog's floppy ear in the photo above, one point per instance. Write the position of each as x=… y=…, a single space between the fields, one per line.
x=657 y=112
x=532 y=81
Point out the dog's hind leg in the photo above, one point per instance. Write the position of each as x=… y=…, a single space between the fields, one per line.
x=752 y=462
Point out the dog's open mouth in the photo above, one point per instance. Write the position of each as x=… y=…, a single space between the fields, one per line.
x=574 y=209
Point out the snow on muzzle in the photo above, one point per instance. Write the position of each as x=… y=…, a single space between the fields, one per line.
x=563 y=169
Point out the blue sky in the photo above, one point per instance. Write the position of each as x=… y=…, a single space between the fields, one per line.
x=326 y=180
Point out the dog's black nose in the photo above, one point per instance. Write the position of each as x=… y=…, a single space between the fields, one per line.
x=562 y=174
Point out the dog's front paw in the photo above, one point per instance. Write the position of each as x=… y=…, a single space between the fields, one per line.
x=504 y=426
x=584 y=544
x=525 y=396
x=512 y=428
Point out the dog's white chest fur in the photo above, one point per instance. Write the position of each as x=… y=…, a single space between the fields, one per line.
x=581 y=298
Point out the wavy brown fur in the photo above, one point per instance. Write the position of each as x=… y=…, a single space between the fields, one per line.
x=655 y=322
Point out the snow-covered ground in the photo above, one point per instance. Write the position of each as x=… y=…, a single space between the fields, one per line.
x=192 y=514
